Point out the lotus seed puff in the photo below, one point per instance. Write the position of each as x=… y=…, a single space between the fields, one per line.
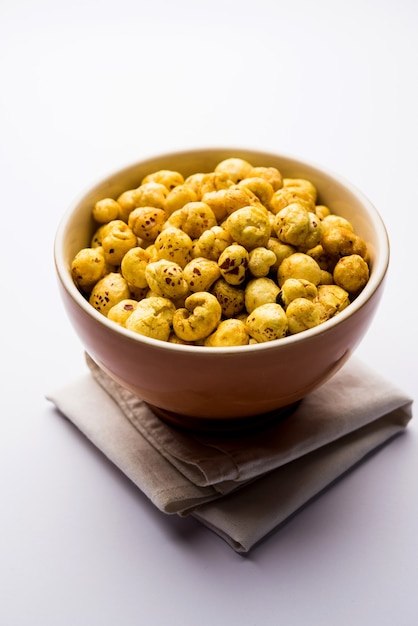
x=236 y=169
x=270 y=174
x=260 y=291
x=351 y=273
x=199 y=317
x=175 y=245
x=179 y=196
x=194 y=218
x=88 y=267
x=249 y=226
x=152 y=317
x=212 y=243
x=133 y=267
x=147 y=222
x=230 y=297
x=117 y=241
x=294 y=288
x=299 y=265
x=168 y=178
x=297 y=226
x=301 y=315
x=233 y=264
x=108 y=291
x=230 y=332
x=260 y=261
x=165 y=278
x=120 y=312
x=106 y=210
x=267 y=322
x=201 y=273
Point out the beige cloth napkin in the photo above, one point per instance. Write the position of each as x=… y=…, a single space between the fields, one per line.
x=241 y=486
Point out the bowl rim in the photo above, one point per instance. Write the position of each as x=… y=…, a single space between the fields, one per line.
x=376 y=278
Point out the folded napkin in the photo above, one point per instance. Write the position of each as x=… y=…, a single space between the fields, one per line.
x=242 y=485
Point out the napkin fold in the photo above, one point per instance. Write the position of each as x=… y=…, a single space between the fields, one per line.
x=240 y=485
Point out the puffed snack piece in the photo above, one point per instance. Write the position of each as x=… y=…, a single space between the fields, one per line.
x=297 y=226
x=233 y=264
x=165 y=278
x=260 y=261
x=249 y=226
x=351 y=273
x=118 y=239
x=106 y=210
x=230 y=297
x=271 y=174
x=302 y=314
x=152 y=317
x=133 y=267
x=230 y=332
x=199 y=317
x=201 y=273
x=88 y=267
x=175 y=245
x=212 y=243
x=267 y=322
x=294 y=288
x=120 y=312
x=331 y=299
x=260 y=291
x=147 y=222
x=168 y=178
x=194 y=218
x=108 y=291
x=340 y=241
x=150 y=193
x=299 y=265
x=235 y=168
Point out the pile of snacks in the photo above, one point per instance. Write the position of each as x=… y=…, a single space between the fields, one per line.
x=235 y=256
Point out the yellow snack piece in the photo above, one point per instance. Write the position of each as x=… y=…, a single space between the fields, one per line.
x=120 y=312
x=175 y=245
x=299 y=265
x=297 y=226
x=295 y=288
x=260 y=291
x=230 y=332
x=249 y=226
x=147 y=222
x=133 y=267
x=108 y=291
x=233 y=264
x=230 y=297
x=117 y=241
x=201 y=273
x=199 y=317
x=351 y=273
x=152 y=317
x=106 y=210
x=267 y=322
x=88 y=267
x=302 y=314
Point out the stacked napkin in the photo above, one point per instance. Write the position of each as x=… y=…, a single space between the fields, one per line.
x=242 y=485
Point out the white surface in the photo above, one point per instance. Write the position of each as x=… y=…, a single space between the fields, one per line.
x=90 y=86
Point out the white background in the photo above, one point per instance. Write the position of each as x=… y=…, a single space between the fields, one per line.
x=89 y=86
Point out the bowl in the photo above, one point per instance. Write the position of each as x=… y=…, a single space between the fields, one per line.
x=222 y=387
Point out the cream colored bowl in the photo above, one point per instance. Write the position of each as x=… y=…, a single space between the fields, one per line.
x=193 y=385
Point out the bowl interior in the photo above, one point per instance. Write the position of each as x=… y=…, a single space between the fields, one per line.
x=77 y=225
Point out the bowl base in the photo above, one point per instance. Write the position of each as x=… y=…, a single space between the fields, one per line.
x=224 y=425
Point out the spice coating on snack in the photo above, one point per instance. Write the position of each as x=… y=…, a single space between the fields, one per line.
x=236 y=256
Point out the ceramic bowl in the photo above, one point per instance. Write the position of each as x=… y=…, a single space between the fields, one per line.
x=200 y=386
